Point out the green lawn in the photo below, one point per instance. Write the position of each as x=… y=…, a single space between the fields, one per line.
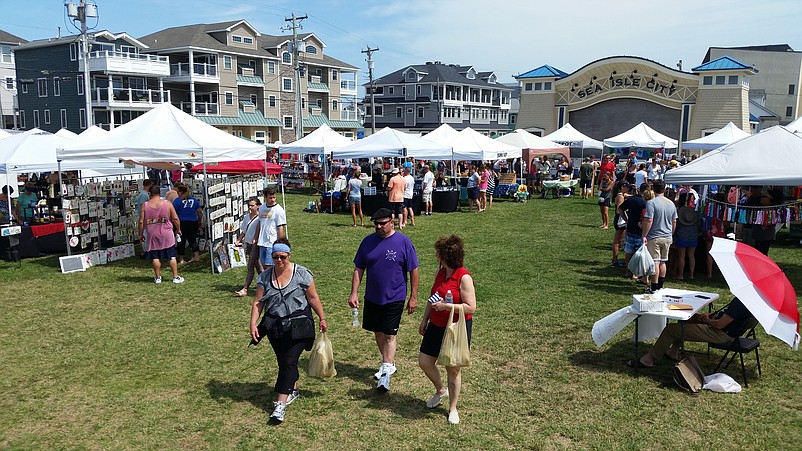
x=105 y=359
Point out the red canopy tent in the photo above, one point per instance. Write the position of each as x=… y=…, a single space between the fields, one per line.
x=239 y=167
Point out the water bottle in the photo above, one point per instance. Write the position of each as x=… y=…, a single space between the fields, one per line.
x=355 y=315
x=449 y=297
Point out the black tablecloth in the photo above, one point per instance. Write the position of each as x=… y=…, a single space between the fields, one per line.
x=372 y=203
x=445 y=201
x=34 y=247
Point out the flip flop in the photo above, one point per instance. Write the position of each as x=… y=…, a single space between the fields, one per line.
x=636 y=364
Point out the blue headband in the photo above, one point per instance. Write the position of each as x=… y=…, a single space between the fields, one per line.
x=281 y=247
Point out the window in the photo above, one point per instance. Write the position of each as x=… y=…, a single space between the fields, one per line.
x=82 y=118
x=538 y=86
x=271 y=67
x=247 y=40
x=254 y=99
x=334 y=105
x=286 y=58
x=252 y=64
x=80 y=81
x=720 y=79
x=419 y=89
x=303 y=103
x=732 y=80
x=527 y=86
x=399 y=112
x=25 y=88
x=547 y=86
x=319 y=103
x=63 y=118
x=259 y=136
x=377 y=109
x=286 y=84
x=229 y=98
x=129 y=49
x=236 y=38
x=288 y=122
x=41 y=87
x=271 y=101
x=36 y=118
x=22 y=119
x=403 y=90
x=334 y=74
x=789 y=111
x=5 y=54
x=420 y=111
x=311 y=49
x=227 y=62
x=10 y=83
x=73 y=51
x=390 y=90
x=707 y=80
x=56 y=86
x=791 y=90
x=411 y=76
x=47 y=117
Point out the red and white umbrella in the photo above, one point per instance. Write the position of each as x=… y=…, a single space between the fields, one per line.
x=761 y=286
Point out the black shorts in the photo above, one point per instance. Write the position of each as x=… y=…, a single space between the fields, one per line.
x=382 y=318
x=396 y=207
x=407 y=203
x=584 y=183
x=433 y=338
x=473 y=192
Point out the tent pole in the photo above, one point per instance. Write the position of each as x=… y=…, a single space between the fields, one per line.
x=63 y=214
x=206 y=220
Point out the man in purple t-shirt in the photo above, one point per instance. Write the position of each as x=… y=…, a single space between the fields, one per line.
x=387 y=256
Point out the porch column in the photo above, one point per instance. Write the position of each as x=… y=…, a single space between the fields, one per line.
x=192 y=82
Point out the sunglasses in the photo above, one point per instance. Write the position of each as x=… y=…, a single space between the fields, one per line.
x=382 y=223
x=280 y=257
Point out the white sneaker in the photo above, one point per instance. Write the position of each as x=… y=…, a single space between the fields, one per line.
x=436 y=399
x=293 y=396
x=157 y=280
x=384 y=383
x=178 y=279
x=378 y=374
x=453 y=417
x=279 y=408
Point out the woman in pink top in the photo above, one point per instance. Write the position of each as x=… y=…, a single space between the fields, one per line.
x=159 y=217
x=483 y=177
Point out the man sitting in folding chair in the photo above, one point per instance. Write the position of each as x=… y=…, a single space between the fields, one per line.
x=722 y=326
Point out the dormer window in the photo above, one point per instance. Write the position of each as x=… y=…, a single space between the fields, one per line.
x=286 y=58
x=247 y=40
x=411 y=76
x=237 y=39
x=471 y=75
x=311 y=49
x=492 y=79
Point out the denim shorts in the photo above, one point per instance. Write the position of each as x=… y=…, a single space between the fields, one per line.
x=634 y=242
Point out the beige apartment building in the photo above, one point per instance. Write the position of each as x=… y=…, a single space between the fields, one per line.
x=232 y=76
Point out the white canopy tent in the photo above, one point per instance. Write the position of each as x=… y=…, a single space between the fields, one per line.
x=66 y=133
x=641 y=136
x=571 y=137
x=393 y=143
x=164 y=133
x=323 y=140
x=723 y=136
x=771 y=157
x=31 y=151
x=4 y=134
x=472 y=145
x=536 y=145
x=795 y=126
x=91 y=132
x=444 y=134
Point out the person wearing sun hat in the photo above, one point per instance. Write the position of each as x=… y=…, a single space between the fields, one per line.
x=387 y=256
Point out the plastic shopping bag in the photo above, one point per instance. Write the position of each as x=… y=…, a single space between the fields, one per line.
x=321 y=362
x=454 y=349
x=721 y=383
x=642 y=264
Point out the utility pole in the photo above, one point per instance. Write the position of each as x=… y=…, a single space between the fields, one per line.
x=370 y=51
x=299 y=111
x=80 y=13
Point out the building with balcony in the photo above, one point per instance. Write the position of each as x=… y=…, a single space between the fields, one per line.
x=419 y=98
x=232 y=76
x=8 y=80
x=124 y=83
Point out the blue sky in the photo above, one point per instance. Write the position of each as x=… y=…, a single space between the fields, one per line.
x=508 y=37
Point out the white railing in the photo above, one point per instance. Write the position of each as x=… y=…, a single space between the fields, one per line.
x=197 y=69
x=201 y=108
x=348 y=85
x=128 y=56
x=347 y=115
x=129 y=96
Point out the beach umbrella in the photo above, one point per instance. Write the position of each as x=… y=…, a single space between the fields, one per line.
x=761 y=286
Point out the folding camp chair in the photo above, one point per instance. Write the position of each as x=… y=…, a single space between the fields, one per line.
x=744 y=344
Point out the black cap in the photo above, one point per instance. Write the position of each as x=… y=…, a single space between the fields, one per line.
x=381 y=213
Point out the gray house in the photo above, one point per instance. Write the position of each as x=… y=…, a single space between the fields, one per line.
x=419 y=98
x=8 y=84
x=123 y=82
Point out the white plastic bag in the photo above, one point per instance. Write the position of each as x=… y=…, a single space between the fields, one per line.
x=642 y=264
x=321 y=361
x=721 y=383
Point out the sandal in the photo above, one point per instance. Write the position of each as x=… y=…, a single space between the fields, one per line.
x=636 y=363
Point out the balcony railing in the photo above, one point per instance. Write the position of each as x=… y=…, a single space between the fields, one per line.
x=197 y=69
x=129 y=96
x=201 y=108
x=347 y=85
x=347 y=115
x=127 y=55
x=124 y=62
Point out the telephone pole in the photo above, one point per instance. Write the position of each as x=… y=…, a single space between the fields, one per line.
x=80 y=13
x=370 y=51
x=299 y=122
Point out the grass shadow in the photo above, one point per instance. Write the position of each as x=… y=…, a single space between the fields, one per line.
x=403 y=405
x=260 y=394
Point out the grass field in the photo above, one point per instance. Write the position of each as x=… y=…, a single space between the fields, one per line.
x=105 y=359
